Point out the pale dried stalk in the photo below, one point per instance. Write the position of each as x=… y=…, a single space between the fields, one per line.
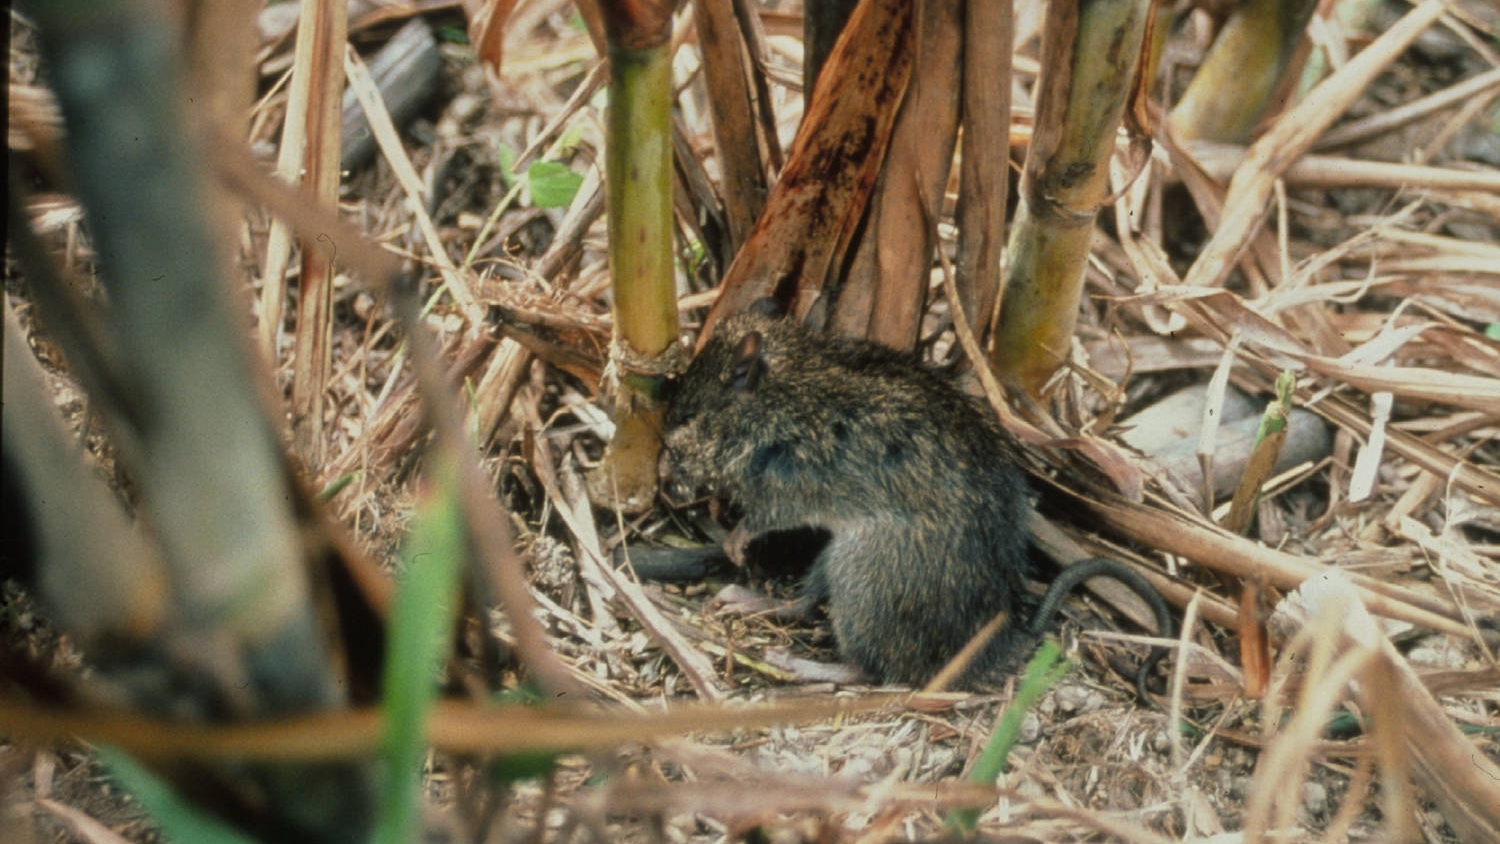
x=416 y=200
x=1293 y=135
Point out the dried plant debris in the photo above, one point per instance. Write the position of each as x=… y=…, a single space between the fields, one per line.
x=1367 y=266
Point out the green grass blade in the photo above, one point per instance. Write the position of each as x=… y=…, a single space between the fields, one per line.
x=179 y=820
x=421 y=627
x=1043 y=672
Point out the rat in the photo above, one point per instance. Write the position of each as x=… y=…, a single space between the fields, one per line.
x=912 y=480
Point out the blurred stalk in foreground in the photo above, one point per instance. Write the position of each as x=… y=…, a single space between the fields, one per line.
x=239 y=638
x=638 y=169
x=1090 y=53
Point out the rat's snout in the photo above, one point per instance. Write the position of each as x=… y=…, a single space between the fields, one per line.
x=664 y=465
x=672 y=485
x=679 y=483
x=677 y=491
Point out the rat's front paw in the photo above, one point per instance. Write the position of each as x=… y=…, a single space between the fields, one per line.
x=735 y=599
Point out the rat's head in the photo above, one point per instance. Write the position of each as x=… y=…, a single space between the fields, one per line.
x=713 y=407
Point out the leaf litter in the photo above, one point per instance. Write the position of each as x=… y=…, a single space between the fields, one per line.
x=1385 y=239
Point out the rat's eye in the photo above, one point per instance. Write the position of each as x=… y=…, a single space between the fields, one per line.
x=665 y=388
x=748 y=367
x=767 y=307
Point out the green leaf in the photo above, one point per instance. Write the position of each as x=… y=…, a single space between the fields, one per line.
x=516 y=767
x=453 y=35
x=552 y=185
x=179 y=820
x=507 y=160
x=567 y=143
x=339 y=484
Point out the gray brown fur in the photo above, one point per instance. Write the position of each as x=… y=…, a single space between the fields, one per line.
x=912 y=479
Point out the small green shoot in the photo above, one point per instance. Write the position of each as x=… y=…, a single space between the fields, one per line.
x=1269 y=439
x=550 y=184
x=1042 y=673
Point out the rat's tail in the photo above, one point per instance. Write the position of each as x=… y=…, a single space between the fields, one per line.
x=1074 y=575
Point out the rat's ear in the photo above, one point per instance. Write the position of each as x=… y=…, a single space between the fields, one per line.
x=748 y=366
